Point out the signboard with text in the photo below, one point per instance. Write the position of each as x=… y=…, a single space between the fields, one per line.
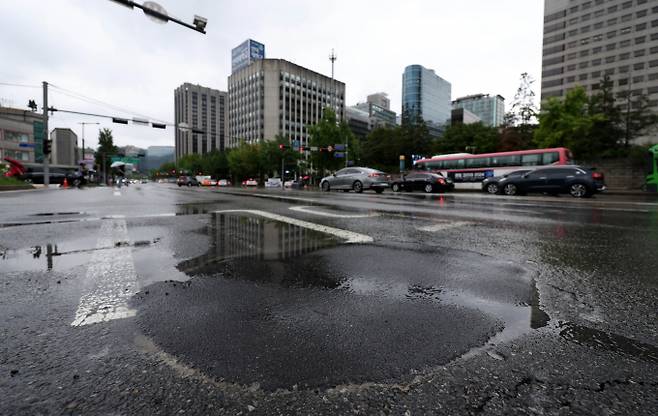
x=246 y=53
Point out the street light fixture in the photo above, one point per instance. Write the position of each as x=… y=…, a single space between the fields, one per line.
x=159 y=14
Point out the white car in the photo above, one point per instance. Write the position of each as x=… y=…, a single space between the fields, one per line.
x=273 y=183
x=223 y=182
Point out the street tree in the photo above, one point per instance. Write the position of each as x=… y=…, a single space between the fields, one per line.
x=271 y=155
x=244 y=161
x=474 y=138
x=382 y=148
x=106 y=149
x=330 y=132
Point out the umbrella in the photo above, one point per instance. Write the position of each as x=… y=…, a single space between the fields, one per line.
x=117 y=164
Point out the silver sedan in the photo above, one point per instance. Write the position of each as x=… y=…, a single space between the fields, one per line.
x=356 y=179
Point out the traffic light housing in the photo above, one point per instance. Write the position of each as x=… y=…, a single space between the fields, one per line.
x=283 y=147
x=46 y=146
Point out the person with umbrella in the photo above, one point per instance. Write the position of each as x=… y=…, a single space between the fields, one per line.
x=120 y=169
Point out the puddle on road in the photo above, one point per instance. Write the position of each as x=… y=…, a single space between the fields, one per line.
x=58 y=256
x=254 y=246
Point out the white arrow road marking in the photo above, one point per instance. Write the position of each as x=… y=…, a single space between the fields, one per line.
x=444 y=226
x=349 y=236
x=113 y=273
x=309 y=210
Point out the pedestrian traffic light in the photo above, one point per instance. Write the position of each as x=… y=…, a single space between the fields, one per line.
x=46 y=146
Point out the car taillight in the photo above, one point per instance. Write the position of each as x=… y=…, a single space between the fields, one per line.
x=441 y=181
x=374 y=175
x=597 y=176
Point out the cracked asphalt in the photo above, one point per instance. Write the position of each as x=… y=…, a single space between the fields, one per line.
x=166 y=300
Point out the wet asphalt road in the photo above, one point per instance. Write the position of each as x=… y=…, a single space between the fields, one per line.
x=159 y=300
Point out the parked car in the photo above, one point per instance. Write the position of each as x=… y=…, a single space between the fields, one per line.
x=356 y=179
x=274 y=183
x=491 y=185
x=250 y=182
x=208 y=182
x=223 y=182
x=422 y=181
x=187 y=181
x=577 y=181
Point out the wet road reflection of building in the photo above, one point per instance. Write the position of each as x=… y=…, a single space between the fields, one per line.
x=241 y=237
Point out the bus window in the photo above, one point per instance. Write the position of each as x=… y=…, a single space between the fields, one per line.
x=450 y=164
x=531 y=160
x=481 y=162
x=550 y=158
x=419 y=166
x=461 y=163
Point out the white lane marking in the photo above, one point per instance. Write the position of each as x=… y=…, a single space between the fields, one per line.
x=113 y=274
x=349 y=236
x=117 y=193
x=309 y=210
x=444 y=226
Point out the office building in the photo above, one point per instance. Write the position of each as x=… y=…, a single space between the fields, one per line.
x=202 y=110
x=425 y=95
x=489 y=109
x=378 y=108
x=585 y=40
x=64 y=147
x=359 y=122
x=463 y=116
x=274 y=97
x=21 y=135
x=380 y=99
x=246 y=53
x=157 y=156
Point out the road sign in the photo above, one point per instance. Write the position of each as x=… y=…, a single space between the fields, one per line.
x=339 y=155
x=314 y=148
x=339 y=147
x=27 y=145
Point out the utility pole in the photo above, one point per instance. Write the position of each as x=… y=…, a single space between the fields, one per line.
x=333 y=59
x=46 y=168
x=83 y=138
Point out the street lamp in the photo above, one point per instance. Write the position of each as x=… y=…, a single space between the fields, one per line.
x=159 y=14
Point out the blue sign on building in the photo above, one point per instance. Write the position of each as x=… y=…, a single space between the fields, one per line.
x=246 y=53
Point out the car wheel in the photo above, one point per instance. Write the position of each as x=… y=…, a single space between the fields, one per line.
x=395 y=187
x=579 y=190
x=511 y=189
x=325 y=186
x=492 y=188
x=358 y=187
x=379 y=190
x=428 y=188
x=346 y=190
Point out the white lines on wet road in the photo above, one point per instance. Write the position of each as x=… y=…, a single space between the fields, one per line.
x=117 y=193
x=310 y=210
x=349 y=236
x=113 y=275
x=444 y=226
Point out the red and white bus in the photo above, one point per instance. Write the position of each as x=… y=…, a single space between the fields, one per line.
x=468 y=171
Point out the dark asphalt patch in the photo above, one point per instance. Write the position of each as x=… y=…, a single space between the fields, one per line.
x=329 y=316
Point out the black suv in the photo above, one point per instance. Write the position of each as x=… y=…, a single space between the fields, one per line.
x=491 y=185
x=577 y=181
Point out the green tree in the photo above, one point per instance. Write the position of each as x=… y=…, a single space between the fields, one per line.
x=569 y=123
x=474 y=138
x=329 y=132
x=244 y=161
x=191 y=164
x=106 y=149
x=168 y=168
x=521 y=121
x=382 y=149
x=215 y=164
x=271 y=155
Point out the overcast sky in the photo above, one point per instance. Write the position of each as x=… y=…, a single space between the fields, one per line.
x=109 y=53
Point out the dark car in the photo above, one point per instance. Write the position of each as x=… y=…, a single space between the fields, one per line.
x=491 y=185
x=422 y=181
x=187 y=181
x=577 y=181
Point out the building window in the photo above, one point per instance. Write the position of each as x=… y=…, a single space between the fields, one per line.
x=641 y=13
x=596 y=74
x=610 y=47
x=625 y=31
x=582 y=77
x=627 y=5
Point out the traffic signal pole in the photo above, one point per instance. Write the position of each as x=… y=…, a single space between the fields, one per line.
x=46 y=167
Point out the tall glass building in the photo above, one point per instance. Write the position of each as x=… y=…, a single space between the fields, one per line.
x=426 y=95
x=489 y=109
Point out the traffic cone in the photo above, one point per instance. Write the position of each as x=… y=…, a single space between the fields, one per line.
x=65 y=184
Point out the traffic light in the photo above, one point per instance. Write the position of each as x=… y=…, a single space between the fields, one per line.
x=46 y=146
x=283 y=147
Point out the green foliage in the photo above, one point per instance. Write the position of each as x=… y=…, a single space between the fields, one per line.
x=271 y=155
x=474 y=138
x=245 y=161
x=382 y=149
x=329 y=132
x=106 y=149
x=168 y=168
